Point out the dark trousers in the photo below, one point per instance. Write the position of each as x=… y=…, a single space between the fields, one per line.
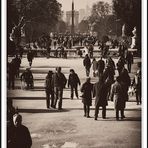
x=58 y=92
x=87 y=71
x=74 y=88
x=97 y=111
x=121 y=112
x=129 y=65
x=49 y=99
x=138 y=96
x=11 y=82
x=86 y=110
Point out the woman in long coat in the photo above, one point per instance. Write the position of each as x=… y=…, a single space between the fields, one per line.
x=118 y=98
x=87 y=89
x=100 y=92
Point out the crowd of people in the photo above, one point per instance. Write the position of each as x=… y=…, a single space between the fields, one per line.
x=109 y=87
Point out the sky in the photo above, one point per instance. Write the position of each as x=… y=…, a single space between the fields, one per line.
x=79 y=4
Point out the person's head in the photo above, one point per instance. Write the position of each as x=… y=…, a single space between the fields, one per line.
x=58 y=69
x=88 y=80
x=86 y=55
x=50 y=73
x=101 y=57
x=72 y=71
x=17 y=120
x=27 y=69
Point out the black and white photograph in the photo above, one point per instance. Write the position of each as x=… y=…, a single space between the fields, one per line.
x=74 y=74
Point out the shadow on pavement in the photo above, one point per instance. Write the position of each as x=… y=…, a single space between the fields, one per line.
x=41 y=110
x=120 y=120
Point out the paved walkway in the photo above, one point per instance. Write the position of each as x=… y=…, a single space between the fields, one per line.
x=68 y=128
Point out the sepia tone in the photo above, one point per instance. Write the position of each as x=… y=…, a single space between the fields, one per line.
x=74 y=74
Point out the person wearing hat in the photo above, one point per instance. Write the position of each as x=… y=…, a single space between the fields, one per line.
x=73 y=82
x=49 y=90
x=87 y=64
x=100 y=66
x=21 y=136
x=27 y=77
x=59 y=81
x=118 y=98
x=100 y=94
x=86 y=90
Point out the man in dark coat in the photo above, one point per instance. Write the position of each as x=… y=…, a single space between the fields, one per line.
x=59 y=82
x=87 y=64
x=21 y=136
x=137 y=86
x=28 y=78
x=17 y=61
x=11 y=74
x=101 y=66
x=129 y=60
x=30 y=57
x=100 y=92
x=49 y=90
x=87 y=89
x=125 y=82
x=118 y=98
x=73 y=82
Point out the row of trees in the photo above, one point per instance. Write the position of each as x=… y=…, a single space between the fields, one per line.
x=106 y=20
x=39 y=16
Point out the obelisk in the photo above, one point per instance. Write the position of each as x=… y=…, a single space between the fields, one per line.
x=72 y=23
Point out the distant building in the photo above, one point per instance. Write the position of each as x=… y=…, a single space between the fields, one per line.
x=81 y=14
x=69 y=18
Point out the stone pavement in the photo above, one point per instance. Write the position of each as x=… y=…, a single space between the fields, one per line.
x=68 y=128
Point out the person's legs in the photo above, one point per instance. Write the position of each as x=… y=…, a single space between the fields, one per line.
x=96 y=112
x=60 y=93
x=76 y=91
x=117 y=114
x=122 y=113
x=71 y=92
x=52 y=99
x=55 y=96
x=84 y=110
x=137 y=97
x=87 y=110
x=104 y=112
x=47 y=99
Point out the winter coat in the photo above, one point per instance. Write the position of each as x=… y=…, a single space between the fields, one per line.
x=73 y=80
x=100 y=92
x=101 y=65
x=117 y=96
x=94 y=65
x=59 y=80
x=87 y=89
x=87 y=62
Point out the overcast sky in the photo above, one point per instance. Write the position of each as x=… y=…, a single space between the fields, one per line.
x=79 y=4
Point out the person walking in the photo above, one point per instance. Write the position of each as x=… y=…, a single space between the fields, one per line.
x=30 y=57
x=49 y=90
x=94 y=66
x=137 y=86
x=73 y=82
x=101 y=66
x=59 y=81
x=100 y=94
x=87 y=64
x=117 y=97
x=129 y=61
x=87 y=89
x=27 y=77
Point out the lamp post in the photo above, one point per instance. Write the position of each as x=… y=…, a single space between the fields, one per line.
x=72 y=24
